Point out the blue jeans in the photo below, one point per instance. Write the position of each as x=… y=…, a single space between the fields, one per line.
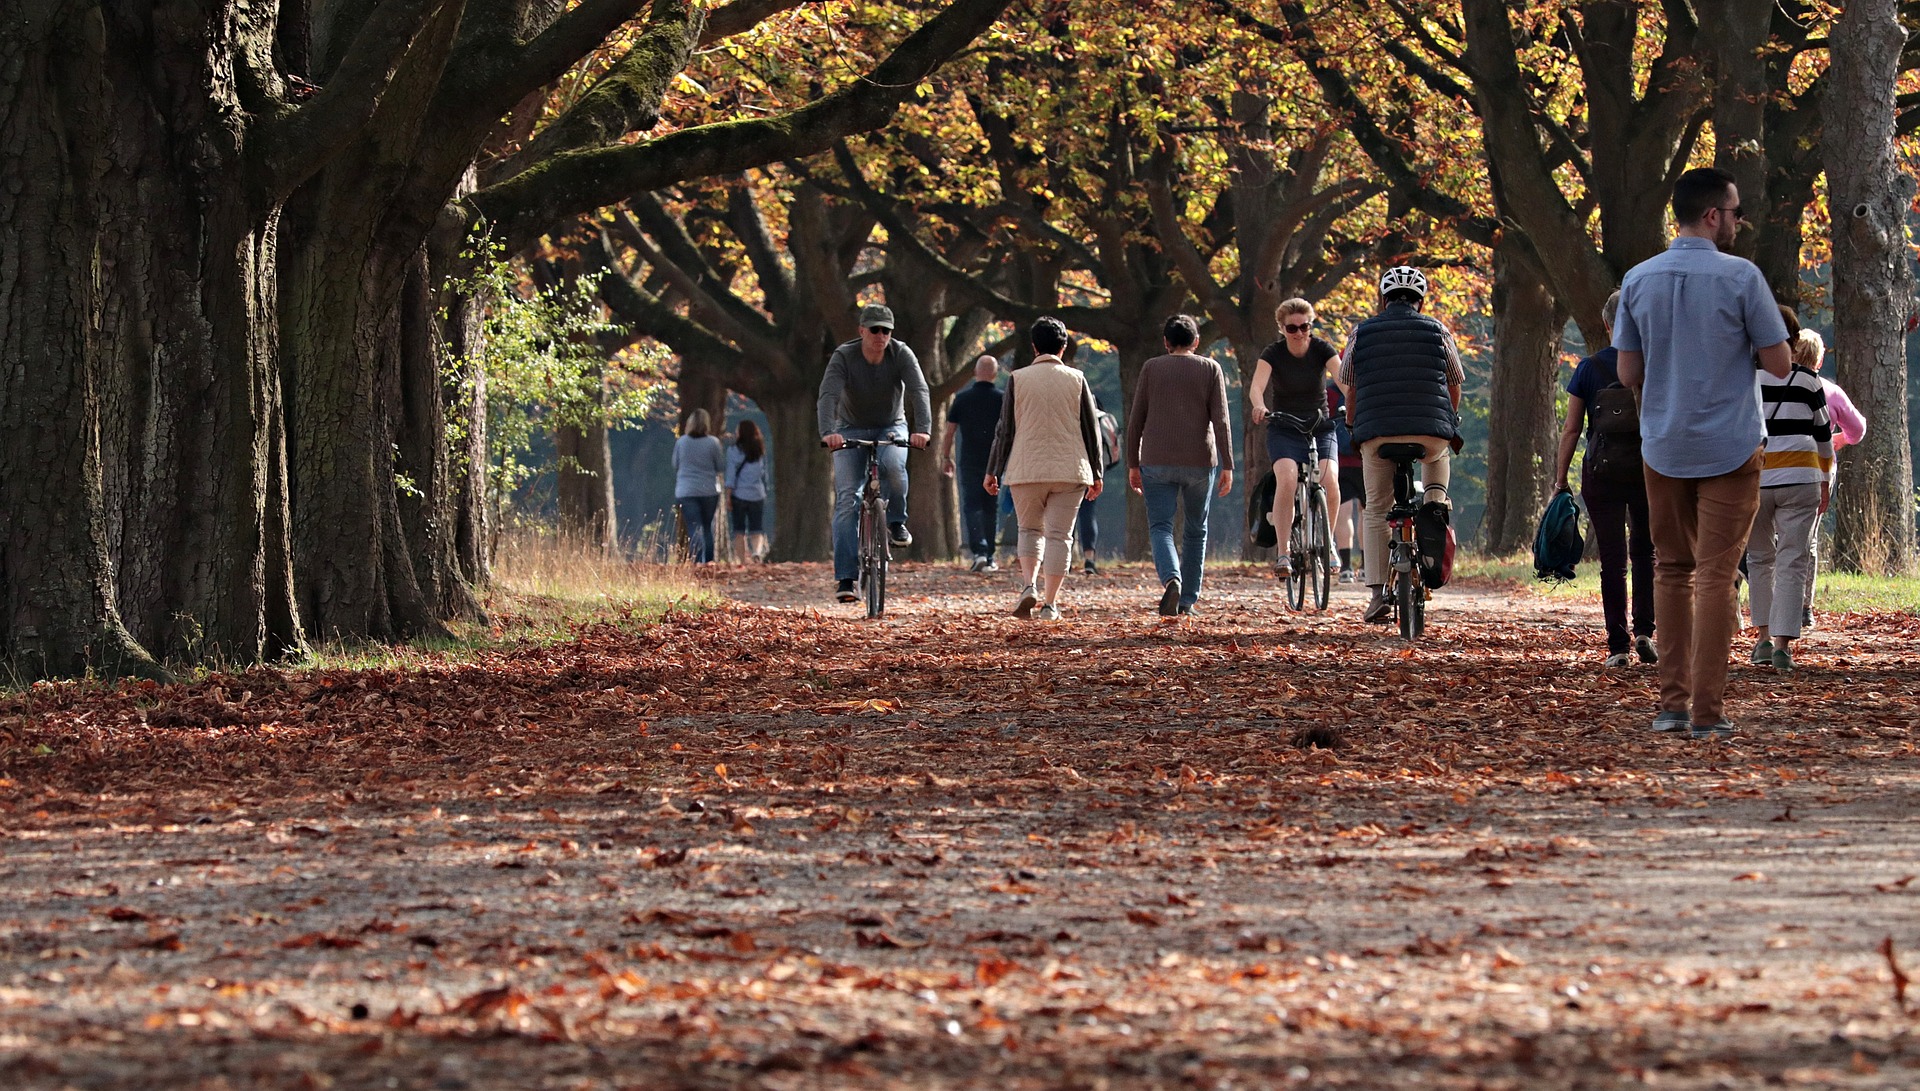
x=980 y=511
x=698 y=512
x=1165 y=487
x=849 y=481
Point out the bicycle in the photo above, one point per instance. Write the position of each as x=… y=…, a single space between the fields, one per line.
x=1409 y=592
x=876 y=545
x=1310 y=542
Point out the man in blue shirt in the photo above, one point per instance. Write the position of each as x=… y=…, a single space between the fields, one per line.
x=974 y=414
x=1692 y=323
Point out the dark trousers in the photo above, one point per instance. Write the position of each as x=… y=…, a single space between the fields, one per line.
x=1621 y=531
x=979 y=511
x=698 y=512
x=1087 y=528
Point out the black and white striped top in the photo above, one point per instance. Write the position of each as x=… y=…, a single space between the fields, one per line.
x=1799 y=433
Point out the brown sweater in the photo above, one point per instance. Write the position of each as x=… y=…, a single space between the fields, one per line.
x=1179 y=414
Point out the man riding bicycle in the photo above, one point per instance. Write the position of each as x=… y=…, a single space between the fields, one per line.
x=1401 y=375
x=870 y=384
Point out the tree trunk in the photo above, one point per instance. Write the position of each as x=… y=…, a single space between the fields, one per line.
x=1527 y=327
x=1873 y=287
x=430 y=481
x=586 y=485
x=803 y=511
x=463 y=392
x=138 y=482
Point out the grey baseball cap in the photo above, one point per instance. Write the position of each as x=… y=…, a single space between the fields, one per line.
x=873 y=314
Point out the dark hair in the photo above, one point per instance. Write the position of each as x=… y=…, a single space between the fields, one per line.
x=1698 y=190
x=1402 y=295
x=751 y=445
x=1181 y=331
x=1049 y=335
x=1792 y=320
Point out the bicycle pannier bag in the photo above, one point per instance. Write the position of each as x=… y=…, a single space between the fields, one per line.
x=1260 y=529
x=1433 y=531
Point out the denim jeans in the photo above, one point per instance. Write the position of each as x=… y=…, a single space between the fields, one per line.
x=1165 y=487
x=697 y=513
x=980 y=511
x=849 y=481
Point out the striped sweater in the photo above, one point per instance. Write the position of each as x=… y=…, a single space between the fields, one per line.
x=1799 y=432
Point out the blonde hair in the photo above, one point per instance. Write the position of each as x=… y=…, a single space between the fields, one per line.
x=1808 y=349
x=1292 y=306
x=698 y=423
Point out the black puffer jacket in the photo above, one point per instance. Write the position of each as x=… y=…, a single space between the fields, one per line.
x=1400 y=377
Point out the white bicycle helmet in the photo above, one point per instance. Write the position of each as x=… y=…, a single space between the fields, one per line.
x=1404 y=276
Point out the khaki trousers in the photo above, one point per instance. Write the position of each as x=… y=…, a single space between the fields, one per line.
x=1046 y=510
x=1436 y=470
x=1700 y=529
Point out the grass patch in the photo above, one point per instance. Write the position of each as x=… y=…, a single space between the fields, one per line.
x=544 y=588
x=1834 y=592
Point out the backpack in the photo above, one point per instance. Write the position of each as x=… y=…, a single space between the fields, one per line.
x=1558 y=545
x=1109 y=438
x=1613 y=441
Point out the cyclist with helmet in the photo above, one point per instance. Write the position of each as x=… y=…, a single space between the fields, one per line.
x=1401 y=375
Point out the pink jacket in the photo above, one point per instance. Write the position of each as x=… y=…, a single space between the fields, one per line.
x=1848 y=425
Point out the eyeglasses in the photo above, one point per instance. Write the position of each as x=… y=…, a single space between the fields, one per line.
x=1301 y=328
x=879 y=330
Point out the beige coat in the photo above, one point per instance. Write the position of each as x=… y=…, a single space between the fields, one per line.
x=1048 y=438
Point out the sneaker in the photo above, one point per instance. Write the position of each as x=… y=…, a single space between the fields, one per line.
x=1189 y=608
x=1763 y=652
x=1347 y=576
x=991 y=566
x=1668 y=723
x=1806 y=617
x=1782 y=659
x=899 y=535
x=1380 y=610
x=1709 y=732
x=1048 y=612
x=1334 y=574
x=980 y=563
x=1170 y=598
x=1643 y=647
x=1090 y=568
x=1028 y=599
x=1618 y=660
x=1283 y=564
x=844 y=592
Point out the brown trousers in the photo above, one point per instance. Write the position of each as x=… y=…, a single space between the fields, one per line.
x=1700 y=527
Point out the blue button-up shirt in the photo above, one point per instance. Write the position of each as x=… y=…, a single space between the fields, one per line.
x=1698 y=316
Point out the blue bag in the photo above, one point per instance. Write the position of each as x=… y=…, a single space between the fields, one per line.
x=1558 y=545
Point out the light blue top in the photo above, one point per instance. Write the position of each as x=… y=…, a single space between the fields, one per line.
x=698 y=462
x=1698 y=316
x=746 y=480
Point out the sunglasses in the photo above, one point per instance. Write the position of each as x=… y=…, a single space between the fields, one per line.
x=1739 y=211
x=878 y=330
x=1301 y=328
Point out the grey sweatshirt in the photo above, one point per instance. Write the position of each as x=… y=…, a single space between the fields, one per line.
x=856 y=394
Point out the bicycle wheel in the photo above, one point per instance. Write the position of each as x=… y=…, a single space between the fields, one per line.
x=1321 y=554
x=1297 y=574
x=873 y=563
x=1407 y=599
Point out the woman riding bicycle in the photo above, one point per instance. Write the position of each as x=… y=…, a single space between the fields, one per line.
x=1291 y=377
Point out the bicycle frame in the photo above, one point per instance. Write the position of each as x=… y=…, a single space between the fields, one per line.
x=876 y=545
x=1310 y=535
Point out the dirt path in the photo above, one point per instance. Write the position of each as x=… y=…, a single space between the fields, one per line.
x=780 y=846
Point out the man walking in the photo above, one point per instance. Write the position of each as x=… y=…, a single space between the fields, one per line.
x=974 y=414
x=870 y=385
x=1401 y=374
x=1692 y=321
x=1178 y=446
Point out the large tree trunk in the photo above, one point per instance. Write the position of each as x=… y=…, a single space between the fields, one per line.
x=1527 y=327
x=803 y=512
x=139 y=476
x=933 y=505
x=1873 y=287
x=586 y=485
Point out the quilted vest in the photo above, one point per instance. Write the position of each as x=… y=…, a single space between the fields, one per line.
x=1400 y=377
x=1047 y=445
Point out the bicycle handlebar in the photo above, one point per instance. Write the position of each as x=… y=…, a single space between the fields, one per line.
x=883 y=441
x=1319 y=425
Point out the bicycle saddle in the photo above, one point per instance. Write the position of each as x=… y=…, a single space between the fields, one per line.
x=1402 y=452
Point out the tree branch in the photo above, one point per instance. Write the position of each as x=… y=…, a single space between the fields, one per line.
x=522 y=207
x=741 y=16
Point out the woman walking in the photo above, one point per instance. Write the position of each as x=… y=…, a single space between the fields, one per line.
x=1292 y=377
x=747 y=493
x=698 y=462
x=1793 y=496
x=1047 y=453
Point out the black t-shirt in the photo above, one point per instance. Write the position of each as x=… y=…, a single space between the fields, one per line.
x=1296 y=385
x=975 y=412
